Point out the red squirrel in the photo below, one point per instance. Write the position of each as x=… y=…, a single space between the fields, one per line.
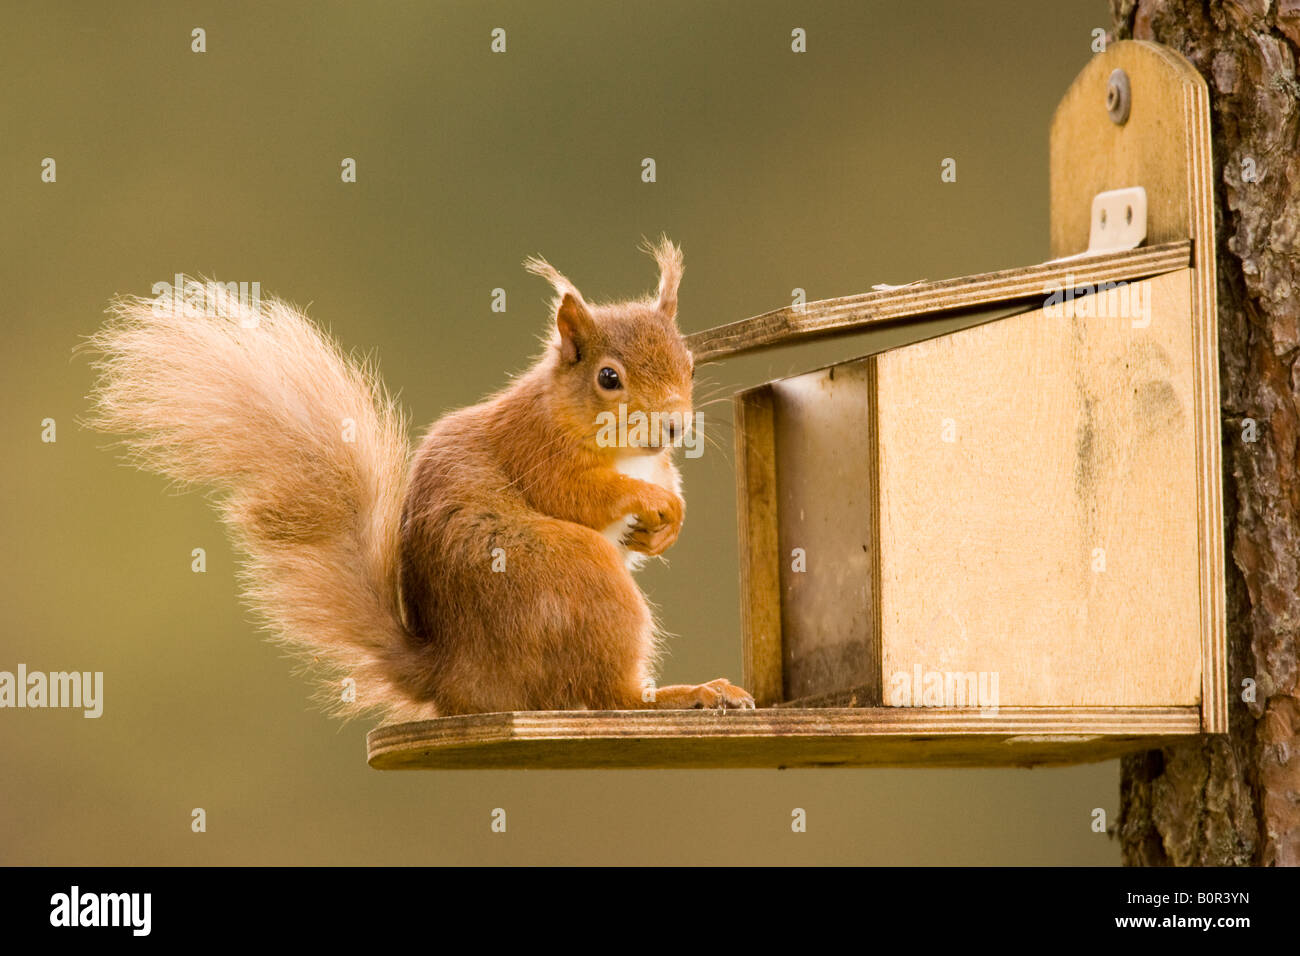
x=489 y=572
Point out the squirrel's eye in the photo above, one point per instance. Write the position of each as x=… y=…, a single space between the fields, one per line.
x=608 y=379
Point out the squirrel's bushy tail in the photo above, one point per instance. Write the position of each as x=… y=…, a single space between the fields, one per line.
x=308 y=454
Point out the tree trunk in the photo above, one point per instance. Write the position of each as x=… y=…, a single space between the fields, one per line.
x=1235 y=799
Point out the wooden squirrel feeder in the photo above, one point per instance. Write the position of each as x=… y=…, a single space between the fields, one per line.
x=999 y=546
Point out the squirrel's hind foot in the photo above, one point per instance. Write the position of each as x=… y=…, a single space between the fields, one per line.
x=718 y=694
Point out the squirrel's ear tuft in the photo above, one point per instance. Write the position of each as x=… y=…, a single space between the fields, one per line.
x=669 y=257
x=540 y=267
x=572 y=318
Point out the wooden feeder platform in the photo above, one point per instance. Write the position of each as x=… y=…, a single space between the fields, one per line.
x=774 y=738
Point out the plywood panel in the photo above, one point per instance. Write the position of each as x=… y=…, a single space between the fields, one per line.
x=824 y=444
x=1071 y=434
x=924 y=300
x=1154 y=149
x=760 y=578
x=1164 y=147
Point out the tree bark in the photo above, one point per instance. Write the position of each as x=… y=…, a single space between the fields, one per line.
x=1235 y=799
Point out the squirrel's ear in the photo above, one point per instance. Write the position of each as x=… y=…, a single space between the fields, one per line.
x=669 y=257
x=574 y=323
x=572 y=319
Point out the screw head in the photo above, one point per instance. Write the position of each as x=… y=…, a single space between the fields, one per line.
x=1118 y=97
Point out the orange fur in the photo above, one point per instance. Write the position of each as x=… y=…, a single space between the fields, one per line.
x=381 y=568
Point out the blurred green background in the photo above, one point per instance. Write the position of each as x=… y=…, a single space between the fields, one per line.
x=775 y=171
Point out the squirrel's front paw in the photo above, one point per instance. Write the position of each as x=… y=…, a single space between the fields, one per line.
x=648 y=539
x=653 y=530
